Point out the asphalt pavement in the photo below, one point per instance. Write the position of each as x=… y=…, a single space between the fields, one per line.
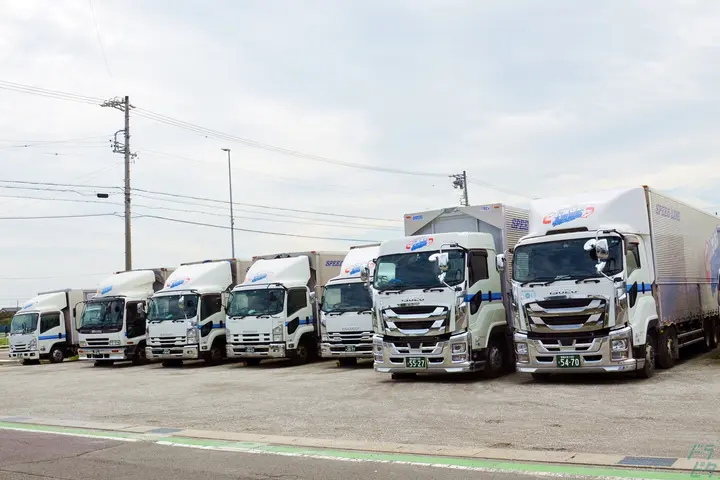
x=41 y=456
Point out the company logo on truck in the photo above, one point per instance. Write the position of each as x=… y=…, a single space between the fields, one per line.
x=567 y=215
x=355 y=269
x=105 y=290
x=27 y=305
x=419 y=243
x=712 y=259
x=414 y=218
x=333 y=263
x=259 y=276
x=177 y=282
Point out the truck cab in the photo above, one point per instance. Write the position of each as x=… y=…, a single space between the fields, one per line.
x=113 y=323
x=186 y=320
x=44 y=328
x=346 y=309
x=273 y=313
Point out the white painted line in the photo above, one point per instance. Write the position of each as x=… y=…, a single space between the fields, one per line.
x=71 y=434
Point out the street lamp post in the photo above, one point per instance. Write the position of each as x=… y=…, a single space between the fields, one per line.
x=232 y=217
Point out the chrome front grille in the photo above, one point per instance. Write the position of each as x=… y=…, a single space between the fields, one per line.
x=568 y=314
x=417 y=320
x=98 y=342
x=168 y=341
x=349 y=337
x=250 y=338
x=406 y=346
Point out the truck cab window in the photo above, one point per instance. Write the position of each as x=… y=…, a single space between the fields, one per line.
x=210 y=305
x=49 y=320
x=297 y=299
x=478 y=261
x=633 y=258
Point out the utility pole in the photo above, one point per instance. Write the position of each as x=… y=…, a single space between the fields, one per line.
x=232 y=217
x=123 y=104
x=460 y=182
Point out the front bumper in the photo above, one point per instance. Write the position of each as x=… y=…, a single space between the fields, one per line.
x=181 y=352
x=390 y=357
x=594 y=357
x=26 y=354
x=105 y=353
x=346 y=350
x=254 y=350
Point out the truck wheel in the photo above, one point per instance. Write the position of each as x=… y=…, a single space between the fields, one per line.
x=139 y=358
x=404 y=376
x=648 y=369
x=715 y=336
x=252 y=362
x=347 y=362
x=667 y=348
x=540 y=377
x=495 y=362
x=27 y=361
x=216 y=354
x=57 y=355
x=302 y=354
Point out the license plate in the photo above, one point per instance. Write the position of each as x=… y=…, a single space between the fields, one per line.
x=350 y=348
x=568 y=361
x=416 y=362
x=97 y=352
x=249 y=349
x=166 y=352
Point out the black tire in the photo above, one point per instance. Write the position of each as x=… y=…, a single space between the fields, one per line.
x=715 y=337
x=648 y=369
x=140 y=357
x=303 y=352
x=57 y=355
x=404 y=376
x=347 y=362
x=216 y=354
x=540 y=377
x=252 y=362
x=495 y=363
x=103 y=363
x=27 y=361
x=708 y=334
x=172 y=363
x=667 y=348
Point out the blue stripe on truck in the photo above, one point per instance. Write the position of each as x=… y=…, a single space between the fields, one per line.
x=50 y=337
x=485 y=297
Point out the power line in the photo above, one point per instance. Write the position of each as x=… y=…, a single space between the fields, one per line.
x=106 y=187
x=43 y=92
x=52 y=277
x=39 y=143
x=254 y=231
x=99 y=38
x=62 y=216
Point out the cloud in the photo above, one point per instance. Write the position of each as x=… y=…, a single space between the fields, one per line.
x=541 y=99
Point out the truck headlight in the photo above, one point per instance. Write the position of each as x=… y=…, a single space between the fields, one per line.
x=83 y=343
x=619 y=345
x=521 y=348
x=192 y=335
x=33 y=344
x=459 y=347
x=277 y=333
x=114 y=343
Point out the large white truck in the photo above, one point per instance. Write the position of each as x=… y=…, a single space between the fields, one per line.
x=273 y=313
x=46 y=326
x=113 y=324
x=346 y=309
x=186 y=320
x=614 y=281
x=438 y=298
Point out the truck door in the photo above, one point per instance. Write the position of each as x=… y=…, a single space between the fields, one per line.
x=637 y=279
x=298 y=311
x=52 y=327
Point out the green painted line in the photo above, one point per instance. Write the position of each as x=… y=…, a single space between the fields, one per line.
x=469 y=463
x=29 y=427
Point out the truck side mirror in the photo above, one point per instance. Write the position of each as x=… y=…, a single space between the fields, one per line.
x=500 y=262
x=140 y=308
x=442 y=260
x=364 y=273
x=312 y=296
x=181 y=302
x=602 y=250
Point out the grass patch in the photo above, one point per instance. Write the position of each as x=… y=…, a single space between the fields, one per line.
x=3 y=341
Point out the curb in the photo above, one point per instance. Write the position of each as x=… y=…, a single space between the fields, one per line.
x=665 y=467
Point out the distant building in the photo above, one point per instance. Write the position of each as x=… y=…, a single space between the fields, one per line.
x=9 y=310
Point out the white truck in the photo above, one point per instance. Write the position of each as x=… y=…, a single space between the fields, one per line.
x=438 y=298
x=273 y=313
x=186 y=320
x=46 y=327
x=614 y=281
x=346 y=309
x=113 y=324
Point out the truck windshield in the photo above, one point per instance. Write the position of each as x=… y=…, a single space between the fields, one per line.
x=414 y=270
x=105 y=315
x=24 y=323
x=346 y=297
x=166 y=307
x=563 y=258
x=253 y=303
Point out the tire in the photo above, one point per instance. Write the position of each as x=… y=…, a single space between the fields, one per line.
x=708 y=334
x=404 y=376
x=57 y=355
x=25 y=361
x=302 y=354
x=648 y=369
x=216 y=354
x=347 y=362
x=103 y=363
x=715 y=337
x=252 y=362
x=140 y=357
x=540 y=377
x=172 y=363
x=495 y=363
x=667 y=348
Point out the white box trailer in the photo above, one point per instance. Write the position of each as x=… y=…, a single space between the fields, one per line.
x=459 y=323
x=614 y=280
x=46 y=326
x=273 y=313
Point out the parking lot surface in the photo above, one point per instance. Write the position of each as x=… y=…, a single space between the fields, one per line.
x=663 y=416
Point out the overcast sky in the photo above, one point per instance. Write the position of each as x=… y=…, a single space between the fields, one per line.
x=531 y=97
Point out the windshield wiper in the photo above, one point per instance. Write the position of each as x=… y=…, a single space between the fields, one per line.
x=540 y=280
x=588 y=279
x=335 y=312
x=396 y=290
x=559 y=277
